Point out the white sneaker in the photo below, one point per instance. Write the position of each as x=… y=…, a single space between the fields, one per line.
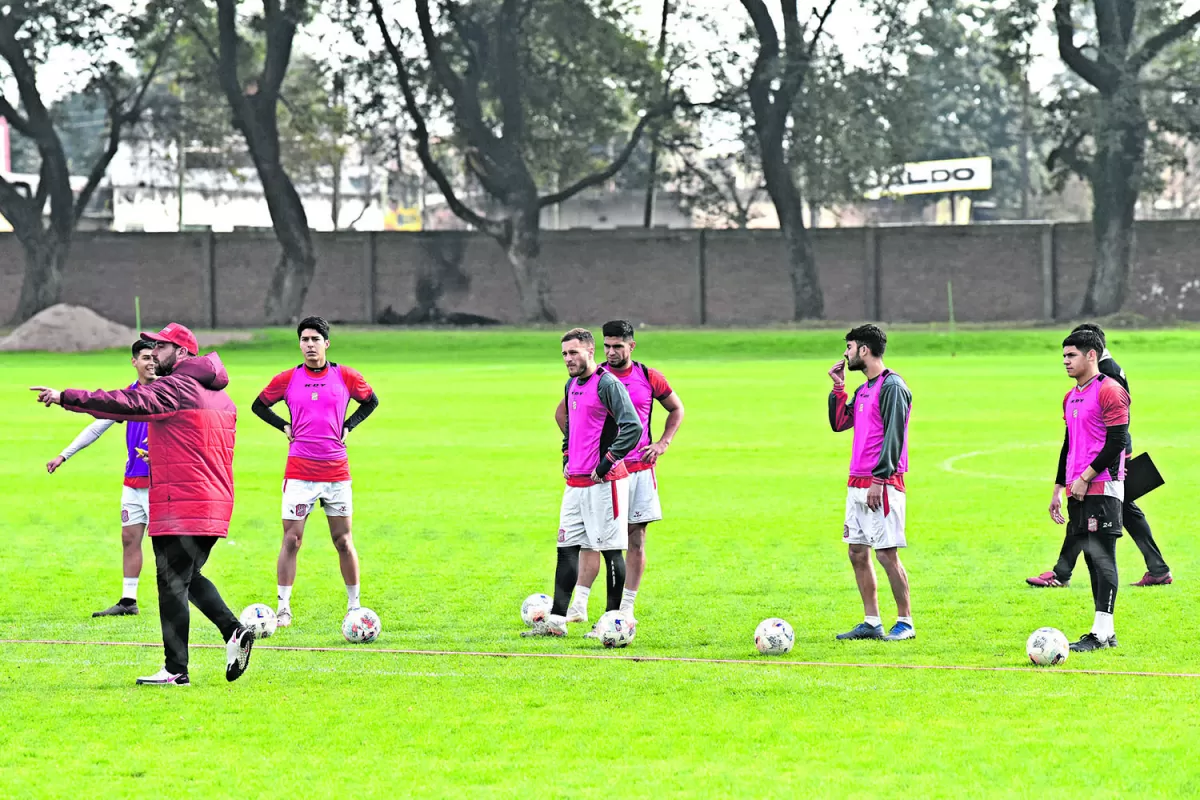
x=283 y=618
x=594 y=633
x=576 y=615
x=164 y=678
x=237 y=653
x=546 y=628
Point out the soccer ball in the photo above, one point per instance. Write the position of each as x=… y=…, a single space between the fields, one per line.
x=536 y=608
x=361 y=626
x=1047 y=647
x=616 y=628
x=260 y=619
x=774 y=637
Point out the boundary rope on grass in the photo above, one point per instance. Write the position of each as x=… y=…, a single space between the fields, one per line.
x=768 y=662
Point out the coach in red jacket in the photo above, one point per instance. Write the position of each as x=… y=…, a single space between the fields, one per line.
x=192 y=422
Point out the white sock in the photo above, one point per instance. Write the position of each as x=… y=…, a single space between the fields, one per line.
x=129 y=588
x=627 y=598
x=351 y=597
x=906 y=620
x=581 y=598
x=1103 y=626
x=285 y=596
x=876 y=621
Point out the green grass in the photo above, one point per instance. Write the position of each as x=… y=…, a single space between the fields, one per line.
x=457 y=489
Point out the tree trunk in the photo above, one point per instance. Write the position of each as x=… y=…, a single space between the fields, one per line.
x=523 y=248
x=298 y=262
x=45 y=257
x=807 y=300
x=1116 y=183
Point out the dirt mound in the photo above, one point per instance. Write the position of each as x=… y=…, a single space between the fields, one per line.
x=73 y=329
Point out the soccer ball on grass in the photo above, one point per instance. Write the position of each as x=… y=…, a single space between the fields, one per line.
x=536 y=608
x=616 y=629
x=774 y=637
x=1047 y=647
x=260 y=619
x=361 y=626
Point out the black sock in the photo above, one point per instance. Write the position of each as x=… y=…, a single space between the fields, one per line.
x=128 y=602
x=1101 y=554
x=565 y=575
x=614 y=566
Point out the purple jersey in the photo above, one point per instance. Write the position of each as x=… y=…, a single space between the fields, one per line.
x=137 y=436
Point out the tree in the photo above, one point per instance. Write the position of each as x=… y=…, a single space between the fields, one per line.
x=537 y=91
x=780 y=69
x=1130 y=37
x=28 y=32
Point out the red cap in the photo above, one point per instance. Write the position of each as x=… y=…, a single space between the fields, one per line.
x=175 y=334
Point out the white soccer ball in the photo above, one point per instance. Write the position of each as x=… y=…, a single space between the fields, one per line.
x=774 y=637
x=616 y=628
x=536 y=608
x=1047 y=647
x=361 y=626
x=259 y=618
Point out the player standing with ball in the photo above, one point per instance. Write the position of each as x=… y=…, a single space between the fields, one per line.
x=875 y=499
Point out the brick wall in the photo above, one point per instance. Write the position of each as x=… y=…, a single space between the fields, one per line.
x=999 y=273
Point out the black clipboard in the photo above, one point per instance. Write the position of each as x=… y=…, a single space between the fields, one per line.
x=1141 y=477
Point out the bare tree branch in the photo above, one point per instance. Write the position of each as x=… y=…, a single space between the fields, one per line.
x=1080 y=64
x=612 y=169
x=822 y=18
x=18 y=122
x=1155 y=44
x=421 y=133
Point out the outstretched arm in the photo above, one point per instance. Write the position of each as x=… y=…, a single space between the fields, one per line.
x=156 y=401
x=87 y=437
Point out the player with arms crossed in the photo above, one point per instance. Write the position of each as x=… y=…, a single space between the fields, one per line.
x=1134 y=519
x=317 y=394
x=135 y=494
x=1091 y=467
x=602 y=428
x=875 y=499
x=645 y=386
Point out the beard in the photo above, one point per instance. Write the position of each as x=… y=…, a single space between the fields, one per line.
x=855 y=364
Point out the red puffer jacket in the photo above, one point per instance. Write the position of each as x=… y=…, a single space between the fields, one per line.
x=192 y=427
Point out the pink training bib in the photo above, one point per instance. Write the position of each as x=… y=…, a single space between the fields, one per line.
x=318 y=409
x=868 y=430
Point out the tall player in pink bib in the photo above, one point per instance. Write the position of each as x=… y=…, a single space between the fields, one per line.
x=875 y=499
x=1091 y=468
x=602 y=428
x=317 y=394
x=646 y=386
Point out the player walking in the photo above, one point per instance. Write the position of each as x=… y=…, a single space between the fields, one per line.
x=875 y=500
x=645 y=387
x=317 y=394
x=602 y=427
x=1091 y=467
x=135 y=494
x=192 y=431
x=1134 y=519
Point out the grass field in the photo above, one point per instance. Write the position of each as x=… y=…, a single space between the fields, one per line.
x=457 y=486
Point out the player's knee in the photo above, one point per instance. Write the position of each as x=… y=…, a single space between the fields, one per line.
x=343 y=544
x=637 y=539
x=130 y=537
x=860 y=555
x=292 y=541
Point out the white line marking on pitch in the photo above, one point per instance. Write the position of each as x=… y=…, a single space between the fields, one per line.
x=649 y=659
x=948 y=464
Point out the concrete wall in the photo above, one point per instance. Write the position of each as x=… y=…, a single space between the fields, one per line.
x=998 y=273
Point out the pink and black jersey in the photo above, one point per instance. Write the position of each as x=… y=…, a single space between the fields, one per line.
x=1089 y=411
x=602 y=427
x=879 y=414
x=645 y=386
x=317 y=401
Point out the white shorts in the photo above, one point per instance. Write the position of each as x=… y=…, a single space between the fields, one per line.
x=595 y=517
x=300 y=497
x=644 y=505
x=135 y=506
x=876 y=528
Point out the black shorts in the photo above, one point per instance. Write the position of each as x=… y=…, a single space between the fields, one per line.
x=1096 y=513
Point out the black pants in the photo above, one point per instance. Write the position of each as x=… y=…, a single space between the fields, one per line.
x=1135 y=523
x=179 y=559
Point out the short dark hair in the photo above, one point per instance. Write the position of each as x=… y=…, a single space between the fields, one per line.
x=140 y=345
x=1085 y=340
x=582 y=334
x=869 y=336
x=317 y=324
x=618 y=327
x=1094 y=328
